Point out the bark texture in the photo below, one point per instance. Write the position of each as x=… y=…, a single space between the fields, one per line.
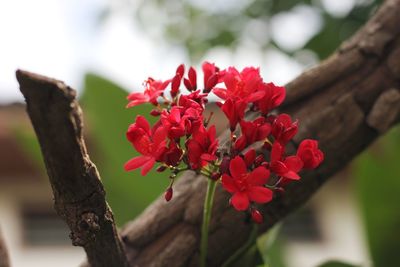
x=346 y=102
x=4 y=259
x=79 y=196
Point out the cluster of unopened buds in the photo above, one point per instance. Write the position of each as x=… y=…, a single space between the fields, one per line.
x=251 y=165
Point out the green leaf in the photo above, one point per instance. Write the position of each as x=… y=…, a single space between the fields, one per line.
x=30 y=145
x=107 y=118
x=270 y=247
x=378 y=186
x=336 y=264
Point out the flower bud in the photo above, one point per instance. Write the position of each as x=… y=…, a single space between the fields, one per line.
x=256 y=216
x=161 y=168
x=168 y=194
x=155 y=112
x=259 y=160
x=215 y=176
x=267 y=146
x=224 y=167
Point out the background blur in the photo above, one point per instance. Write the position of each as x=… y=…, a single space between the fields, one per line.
x=106 y=48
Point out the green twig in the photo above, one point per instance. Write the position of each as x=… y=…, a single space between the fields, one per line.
x=206 y=220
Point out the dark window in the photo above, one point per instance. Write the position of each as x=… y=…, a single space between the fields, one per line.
x=43 y=227
x=302 y=226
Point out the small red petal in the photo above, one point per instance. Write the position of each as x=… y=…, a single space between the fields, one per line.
x=193 y=77
x=180 y=70
x=155 y=113
x=188 y=84
x=168 y=194
x=257 y=216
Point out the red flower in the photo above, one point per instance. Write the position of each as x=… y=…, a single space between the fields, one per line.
x=151 y=144
x=191 y=83
x=195 y=100
x=234 y=111
x=287 y=167
x=309 y=153
x=211 y=75
x=273 y=97
x=176 y=81
x=153 y=90
x=283 y=129
x=246 y=186
x=173 y=123
x=173 y=155
x=202 y=147
x=241 y=85
x=249 y=157
x=252 y=131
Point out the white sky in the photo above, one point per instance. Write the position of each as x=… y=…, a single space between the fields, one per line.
x=64 y=39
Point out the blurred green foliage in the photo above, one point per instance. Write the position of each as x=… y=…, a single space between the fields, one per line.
x=104 y=104
x=377 y=175
x=201 y=25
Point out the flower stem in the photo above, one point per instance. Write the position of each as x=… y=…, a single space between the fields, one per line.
x=208 y=202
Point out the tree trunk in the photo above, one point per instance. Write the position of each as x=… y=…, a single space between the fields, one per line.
x=346 y=102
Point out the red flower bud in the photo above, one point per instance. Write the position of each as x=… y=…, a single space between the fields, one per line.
x=193 y=78
x=259 y=160
x=161 y=168
x=212 y=81
x=180 y=70
x=224 y=167
x=215 y=176
x=168 y=194
x=155 y=112
x=256 y=216
x=267 y=146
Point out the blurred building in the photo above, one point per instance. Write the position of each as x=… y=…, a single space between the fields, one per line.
x=34 y=234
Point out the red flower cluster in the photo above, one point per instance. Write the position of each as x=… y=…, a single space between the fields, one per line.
x=183 y=139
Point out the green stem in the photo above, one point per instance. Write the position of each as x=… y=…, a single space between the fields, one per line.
x=238 y=253
x=208 y=202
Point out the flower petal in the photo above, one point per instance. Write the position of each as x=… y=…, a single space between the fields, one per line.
x=291 y=175
x=259 y=176
x=135 y=163
x=147 y=166
x=294 y=163
x=240 y=201
x=260 y=194
x=237 y=167
x=228 y=183
x=220 y=92
x=276 y=152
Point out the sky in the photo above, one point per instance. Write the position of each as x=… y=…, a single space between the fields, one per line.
x=65 y=39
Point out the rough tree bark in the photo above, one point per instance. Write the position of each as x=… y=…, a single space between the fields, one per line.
x=79 y=196
x=346 y=102
x=4 y=260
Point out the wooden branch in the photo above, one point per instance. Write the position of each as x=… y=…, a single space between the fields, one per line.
x=345 y=102
x=79 y=196
x=4 y=259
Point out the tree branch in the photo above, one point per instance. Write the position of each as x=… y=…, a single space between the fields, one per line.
x=78 y=192
x=4 y=259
